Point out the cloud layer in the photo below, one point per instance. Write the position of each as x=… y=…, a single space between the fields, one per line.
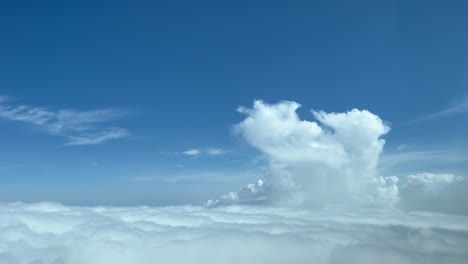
x=79 y=127
x=441 y=192
x=52 y=233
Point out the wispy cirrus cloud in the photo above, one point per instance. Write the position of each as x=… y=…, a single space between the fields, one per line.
x=421 y=158
x=80 y=127
x=96 y=138
x=214 y=177
x=461 y=107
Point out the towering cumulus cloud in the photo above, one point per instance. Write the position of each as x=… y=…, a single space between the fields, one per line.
x=331 y=160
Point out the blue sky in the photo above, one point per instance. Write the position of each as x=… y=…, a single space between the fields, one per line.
x=158 y=79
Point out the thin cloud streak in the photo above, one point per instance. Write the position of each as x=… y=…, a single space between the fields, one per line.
x=456 y=109
x=98 y=138
x=212 y=177
x=393 y=159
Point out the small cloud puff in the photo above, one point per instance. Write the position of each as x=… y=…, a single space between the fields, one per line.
x=207 y=151
x=215 y=151
x=192 y=152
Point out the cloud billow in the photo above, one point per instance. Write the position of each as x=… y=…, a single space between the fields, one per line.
x=57 y=234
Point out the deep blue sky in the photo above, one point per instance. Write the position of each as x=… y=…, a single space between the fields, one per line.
x=181 y=68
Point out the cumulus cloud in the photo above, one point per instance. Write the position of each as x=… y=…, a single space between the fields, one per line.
x=58 y=234
x=334 y=158
x=253 y=193
x=331 y=160
x=433 y=178
x=385 y=188
x=80 y=127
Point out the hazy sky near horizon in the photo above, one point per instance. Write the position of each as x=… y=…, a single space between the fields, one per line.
x=123 y=104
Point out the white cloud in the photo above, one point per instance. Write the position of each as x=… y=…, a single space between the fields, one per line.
x=312 y=163
x=215 y=151
x=401 y=147
x=192 y=152
x=53 y=233
x=336 y=160
x=253 y=193
x=80 y=127
x=440 y=192
x=207 y=151
x=97 y=138
x=427 y=178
